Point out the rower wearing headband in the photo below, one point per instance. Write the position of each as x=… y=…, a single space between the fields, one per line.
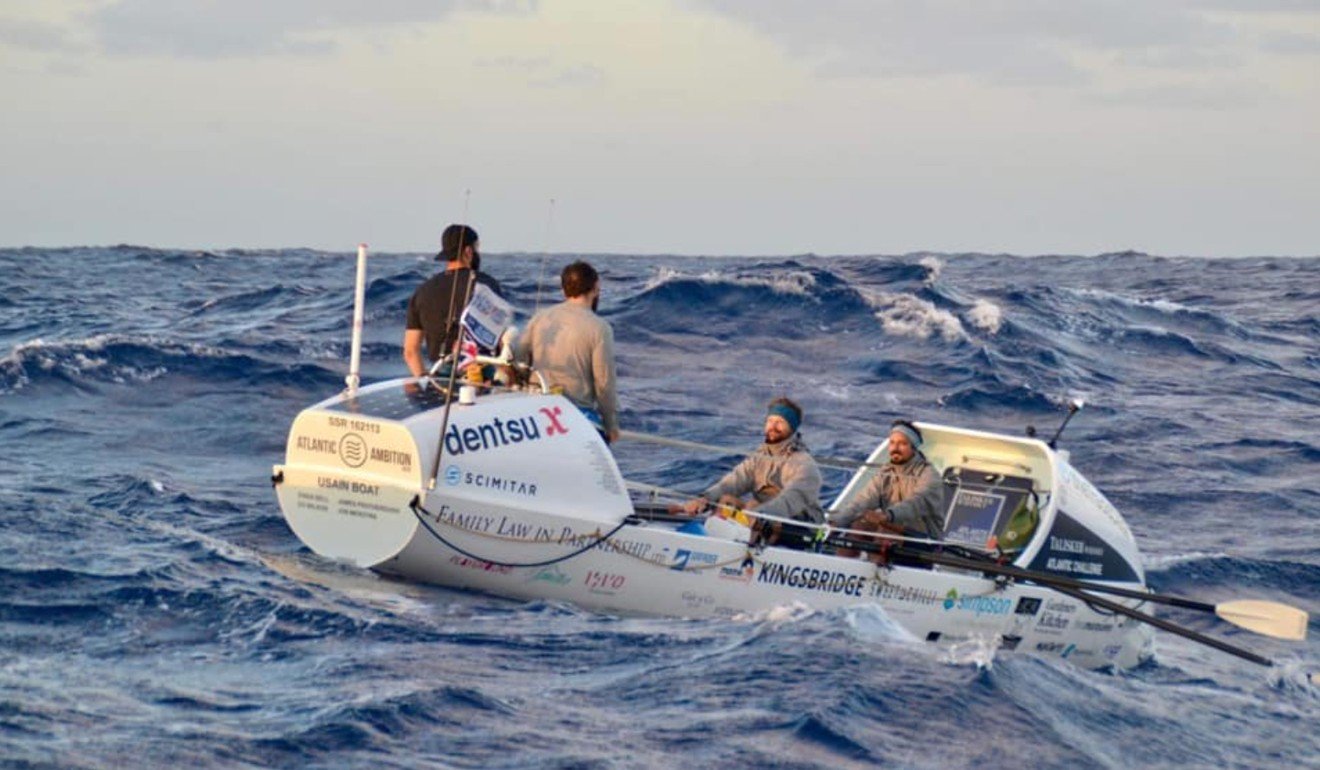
x=780 y=479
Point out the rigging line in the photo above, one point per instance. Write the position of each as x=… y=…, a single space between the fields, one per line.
x=456 y=345
x=824 y=528
x=418 y=510
x=838 y=463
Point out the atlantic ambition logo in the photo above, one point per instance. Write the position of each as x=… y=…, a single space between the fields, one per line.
x=501 y=432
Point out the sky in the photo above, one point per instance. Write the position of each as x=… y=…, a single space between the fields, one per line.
x=704 y=127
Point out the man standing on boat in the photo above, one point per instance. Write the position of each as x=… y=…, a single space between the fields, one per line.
x=904 y=495
x=781 y=478
x=435 y=308
x=573 y=348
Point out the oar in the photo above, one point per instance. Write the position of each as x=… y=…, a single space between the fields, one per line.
x=1062 y=585
x=1280 y=621
x=840 y=463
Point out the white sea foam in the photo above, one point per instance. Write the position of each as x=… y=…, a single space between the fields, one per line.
x=786 y=613
x=79 y=358
x=904 y=315
x=933 y=267
x=1169 y=560
x=986 y=316
x=871 y=622
x=978 y=650
x=791 y=282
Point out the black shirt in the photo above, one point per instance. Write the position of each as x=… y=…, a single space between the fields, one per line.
x=437 y=304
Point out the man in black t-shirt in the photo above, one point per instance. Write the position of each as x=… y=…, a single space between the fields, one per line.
x=436 y=306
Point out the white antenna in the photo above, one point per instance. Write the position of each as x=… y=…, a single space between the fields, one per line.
x=359 y=299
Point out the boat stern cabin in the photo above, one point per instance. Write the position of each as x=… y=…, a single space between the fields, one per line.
x=1022 y=496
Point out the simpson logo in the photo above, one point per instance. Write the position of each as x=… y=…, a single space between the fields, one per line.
x=500 y=432
x=453 y=475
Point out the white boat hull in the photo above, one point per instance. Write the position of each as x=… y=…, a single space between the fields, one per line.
x=529 y=504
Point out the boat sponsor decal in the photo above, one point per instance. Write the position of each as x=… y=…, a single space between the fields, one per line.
x=1062 y=648
x=1027 y=605
x=499 y=432
x=927 y=597
x=1073 y=550
x=1088 y=625
x=477 y=564
x=353 y=450
x=624 y=546
x=343 y=485
x=742 y=573
x=552 y=575
x=684 y=557
x=697 y=600
x=507 y=526
x=604 y=582
x=454 y=475
x=352 y=447
x=979 y=605
x=1052 y=623
x=811 y=579
x=325 y=446
x=1066 y=608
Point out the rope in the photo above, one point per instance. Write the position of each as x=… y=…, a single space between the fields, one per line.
x=416 y=507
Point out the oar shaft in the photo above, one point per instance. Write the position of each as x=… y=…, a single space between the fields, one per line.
x=1062 y=586
x=1173 y=628
x=950 y=560
x=827 y=462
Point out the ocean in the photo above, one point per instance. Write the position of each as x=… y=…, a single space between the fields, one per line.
x=156 y=611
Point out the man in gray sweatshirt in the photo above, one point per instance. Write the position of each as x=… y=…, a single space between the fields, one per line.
x=780 y=478
x=906 y=494
x=573 y=348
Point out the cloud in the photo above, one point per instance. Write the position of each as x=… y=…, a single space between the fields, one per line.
x=543 y=72
x=36 y=36
x=208 y=29
x=1006 y=42
x=1219 y=97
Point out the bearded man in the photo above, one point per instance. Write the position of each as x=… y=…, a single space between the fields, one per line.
x=780 y=479
x=905 y=495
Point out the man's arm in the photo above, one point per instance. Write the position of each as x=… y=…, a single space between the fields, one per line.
x=924 y=510
x=867 y=500
x=801 y=490
x=738 y=481
x=604 y=376
x=412 y=352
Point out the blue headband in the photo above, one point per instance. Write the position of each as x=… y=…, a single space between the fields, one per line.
x=912 y=436
x=788 y=413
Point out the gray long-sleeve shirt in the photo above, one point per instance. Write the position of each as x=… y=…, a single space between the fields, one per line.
x=574 y=349
x=782 y=477
x=912 y=493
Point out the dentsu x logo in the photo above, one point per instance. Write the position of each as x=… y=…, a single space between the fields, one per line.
x=552 y=414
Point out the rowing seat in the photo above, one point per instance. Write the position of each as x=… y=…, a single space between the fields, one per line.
x=979 y=504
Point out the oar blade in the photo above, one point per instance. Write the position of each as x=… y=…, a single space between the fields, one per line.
x=1269 y=618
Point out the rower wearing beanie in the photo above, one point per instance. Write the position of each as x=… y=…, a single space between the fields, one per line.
x=780 y=479
x=905 y=493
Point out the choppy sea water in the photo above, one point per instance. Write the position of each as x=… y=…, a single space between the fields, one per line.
x=155 y=611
